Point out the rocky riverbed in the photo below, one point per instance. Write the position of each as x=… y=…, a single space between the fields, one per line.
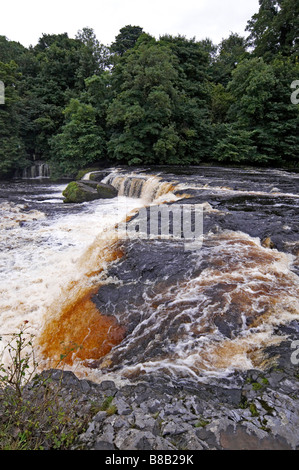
x=209 y=359
x=209 y=356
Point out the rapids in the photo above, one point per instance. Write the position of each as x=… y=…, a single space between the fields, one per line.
x=123 y=307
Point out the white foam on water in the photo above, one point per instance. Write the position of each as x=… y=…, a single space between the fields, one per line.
x=40 y=256
x=44 y=260
x=247 y=286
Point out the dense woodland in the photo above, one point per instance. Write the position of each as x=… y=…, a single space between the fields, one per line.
x=76 y=103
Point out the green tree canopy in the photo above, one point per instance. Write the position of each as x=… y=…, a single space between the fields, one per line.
x=230 y=53
x=275 y=29
x=81 y=140
x=10 y=50
x=54 y=72
x=159 y=114
x=141 y=111
x=141 y=100
x=12 y=152
x=126 y=39
x=262 y=106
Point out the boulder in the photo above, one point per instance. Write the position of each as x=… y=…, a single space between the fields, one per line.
x=84 y=191
x=98 y=175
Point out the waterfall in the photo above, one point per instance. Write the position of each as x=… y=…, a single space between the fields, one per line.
x=36 y=170
x=148 y=188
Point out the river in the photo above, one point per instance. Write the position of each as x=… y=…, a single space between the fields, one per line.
x=127 y=307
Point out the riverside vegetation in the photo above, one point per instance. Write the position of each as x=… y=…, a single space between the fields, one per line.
x=33 y=412
x=37 y=412
x=76 y=103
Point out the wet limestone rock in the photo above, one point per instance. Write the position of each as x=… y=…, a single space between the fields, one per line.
x=268 y=243
x=84 y=191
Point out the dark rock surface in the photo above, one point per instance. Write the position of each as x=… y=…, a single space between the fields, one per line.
x=262 y=414
x=257 y=409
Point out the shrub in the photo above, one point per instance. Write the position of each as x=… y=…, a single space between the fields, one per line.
x=34 y=414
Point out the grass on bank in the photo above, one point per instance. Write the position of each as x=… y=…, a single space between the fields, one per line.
x=34 y=415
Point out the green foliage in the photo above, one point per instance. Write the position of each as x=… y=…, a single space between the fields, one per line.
x=275 y=29
x=221 y=100
x=253 y=410
x=81 y=140
x=126 y=39
x=236 y=146
x=202 y=423
x=33 y=413
x=10 y=50
x=108 y=406
x=231 y=52
x=160 y=114
x=141 y=111
x=143 y=101
x=262 y=106
x=12 y=152
x=16 y=374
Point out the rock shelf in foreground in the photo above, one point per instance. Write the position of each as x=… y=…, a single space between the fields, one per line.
x=260 y=413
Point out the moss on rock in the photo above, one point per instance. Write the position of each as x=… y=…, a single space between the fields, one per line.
x=78 y=191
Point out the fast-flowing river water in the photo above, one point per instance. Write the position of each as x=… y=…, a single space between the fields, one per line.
x=124 y=307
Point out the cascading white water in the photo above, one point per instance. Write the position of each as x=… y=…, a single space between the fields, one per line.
x=51 y=265
x=147 y=188
x=47 y=261
x=224 y=315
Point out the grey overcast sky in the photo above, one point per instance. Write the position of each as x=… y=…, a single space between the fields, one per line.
x=26 y=20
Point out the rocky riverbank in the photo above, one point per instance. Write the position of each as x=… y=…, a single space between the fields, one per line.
x=260 y=413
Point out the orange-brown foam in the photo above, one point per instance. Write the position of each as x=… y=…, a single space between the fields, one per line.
x=76 y=330
x=80 y=332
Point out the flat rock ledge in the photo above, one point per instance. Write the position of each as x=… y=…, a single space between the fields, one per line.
x=260 y=413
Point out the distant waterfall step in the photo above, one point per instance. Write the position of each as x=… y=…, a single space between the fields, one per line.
x=38 y=169
x=145 y=187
